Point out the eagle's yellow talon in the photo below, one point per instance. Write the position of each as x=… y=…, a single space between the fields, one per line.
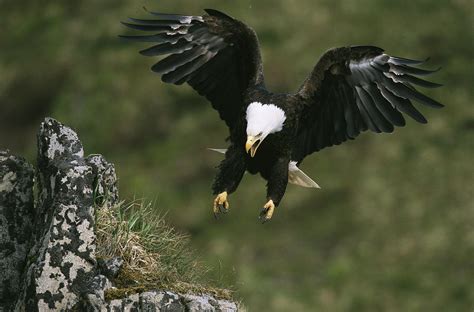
x=267 y=211
x=220 y=203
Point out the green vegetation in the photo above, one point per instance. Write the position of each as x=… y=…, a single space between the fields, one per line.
x=391 y=229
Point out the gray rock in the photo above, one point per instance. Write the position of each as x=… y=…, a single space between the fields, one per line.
x=200 y=303
x=115 y=305
x=165 y=301
x=110 y=267
x=63 y=265
x=16 y=224
x=131 y=303
x=106 y=184
x=207 y=303
x=95 y=299
x=152 y=301
x=47 y=255
x=227 y=306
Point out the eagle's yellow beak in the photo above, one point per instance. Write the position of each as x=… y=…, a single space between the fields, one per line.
x=253 y=142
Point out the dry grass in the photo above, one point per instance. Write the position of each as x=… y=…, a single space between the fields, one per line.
x=155 y=255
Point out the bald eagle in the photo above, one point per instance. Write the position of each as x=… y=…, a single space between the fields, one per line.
x=350 y=90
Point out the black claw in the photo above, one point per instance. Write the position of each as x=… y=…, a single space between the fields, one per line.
x=222 y=208
x=263 y=215
x=216 y=216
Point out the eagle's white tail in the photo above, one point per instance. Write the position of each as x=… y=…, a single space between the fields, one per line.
x=298 y=177
x=219 y=150
x=295 y=175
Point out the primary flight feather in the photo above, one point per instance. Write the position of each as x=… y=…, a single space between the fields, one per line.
x=350 y=90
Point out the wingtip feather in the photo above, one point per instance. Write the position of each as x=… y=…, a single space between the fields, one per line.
x=218 y=13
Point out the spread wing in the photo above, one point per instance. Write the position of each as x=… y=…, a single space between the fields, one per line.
x=353 y=89
x=215 y=54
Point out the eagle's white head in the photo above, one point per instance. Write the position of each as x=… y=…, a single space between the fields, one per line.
x=262 y=120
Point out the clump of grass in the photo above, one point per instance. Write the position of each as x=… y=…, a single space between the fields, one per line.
x=141 y=237
x=154 y=254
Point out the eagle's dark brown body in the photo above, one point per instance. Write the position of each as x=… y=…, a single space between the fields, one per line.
x=274 y=154
x=349 y=91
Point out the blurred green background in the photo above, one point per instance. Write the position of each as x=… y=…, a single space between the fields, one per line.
x=391 y=229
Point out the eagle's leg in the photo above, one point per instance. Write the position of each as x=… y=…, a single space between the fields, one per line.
x=231 y=171
x=276 y=187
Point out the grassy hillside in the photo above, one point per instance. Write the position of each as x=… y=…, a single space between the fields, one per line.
x=391 y=228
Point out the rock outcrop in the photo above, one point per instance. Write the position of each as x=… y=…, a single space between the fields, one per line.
x=47 y=255
x=16 y=223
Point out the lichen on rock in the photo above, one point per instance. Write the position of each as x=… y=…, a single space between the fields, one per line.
x=48 y=257
x=63 y=255
x=106 y=184
x=16 y=223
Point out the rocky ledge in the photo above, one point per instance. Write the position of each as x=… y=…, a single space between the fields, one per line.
x=48 y=245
